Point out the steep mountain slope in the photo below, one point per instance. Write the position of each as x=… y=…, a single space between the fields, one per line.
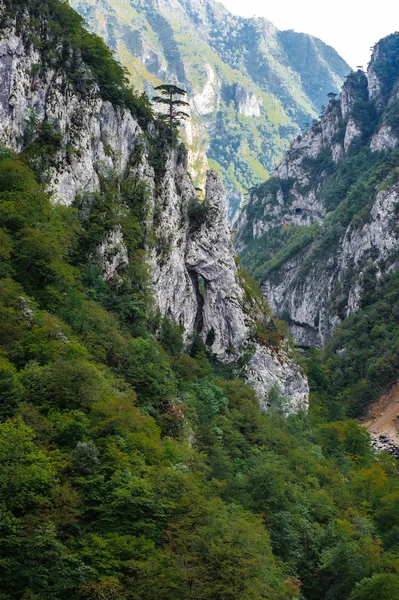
x=134 y=465
x=322 y=232
x=82 y=144
x=250 y=85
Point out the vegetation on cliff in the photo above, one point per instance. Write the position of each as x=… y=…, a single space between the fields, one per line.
x=250 y=85
x=132 y=465
x=358 y=192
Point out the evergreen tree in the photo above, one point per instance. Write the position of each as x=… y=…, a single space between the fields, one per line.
x=174 y=113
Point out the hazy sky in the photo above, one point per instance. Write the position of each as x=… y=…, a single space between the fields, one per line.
x=350 y=26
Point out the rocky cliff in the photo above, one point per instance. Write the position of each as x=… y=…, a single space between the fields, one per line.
x=194 y=277
x=323 y=230
x=249 y=84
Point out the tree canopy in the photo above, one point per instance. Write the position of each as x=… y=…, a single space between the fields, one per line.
x=174 y=113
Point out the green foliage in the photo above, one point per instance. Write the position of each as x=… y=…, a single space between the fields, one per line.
x=84 y=458
x=240 y=148
x=43 y=140
x=265 y=330
x=391 y=116
x=214 y=500
x=265 y=255
x=206 y=398
x=362 y=356
x=199 y=213
x=128 y=468
x=384 y=585
x=147 y=368
x=69 y=427
x=28 y=473
x=10 y=387
x=171 y=336
x=387 y=63
x=345 y=176
x=65 y=43
x=121 y=207
x=172 y=98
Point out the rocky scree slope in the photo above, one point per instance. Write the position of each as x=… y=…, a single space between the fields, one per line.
x=250 y=85
x=323 y=230
x=47 y=87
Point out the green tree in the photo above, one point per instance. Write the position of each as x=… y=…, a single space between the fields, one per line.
x=10 y=388
x=27 y=473
x=383 y=585
x=147 y=369
x=174 y=113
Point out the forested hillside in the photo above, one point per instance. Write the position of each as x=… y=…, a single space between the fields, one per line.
x=133 y=464
x=250 y=85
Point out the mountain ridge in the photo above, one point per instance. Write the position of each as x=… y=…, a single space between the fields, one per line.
x=247 y=97
x=103 y=139
x=321 y=234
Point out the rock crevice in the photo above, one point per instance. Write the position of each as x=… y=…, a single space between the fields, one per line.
x=100 y=139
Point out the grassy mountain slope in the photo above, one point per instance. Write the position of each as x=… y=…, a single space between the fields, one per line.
x=250 y=85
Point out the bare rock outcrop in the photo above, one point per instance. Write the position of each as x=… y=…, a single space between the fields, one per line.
x=193 y=271
x=353 y=233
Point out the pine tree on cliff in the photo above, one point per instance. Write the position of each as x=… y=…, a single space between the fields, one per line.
x=174 y=113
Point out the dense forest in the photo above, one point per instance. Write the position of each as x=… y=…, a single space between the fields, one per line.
x=134 y=466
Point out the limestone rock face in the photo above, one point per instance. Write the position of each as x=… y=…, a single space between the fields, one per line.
x=352 y=132
x=246 y=102
x=99 y=134
x=322 y=280
x=311 y=299
x=204 y=101
x=194 y=275
x=295 y=171
x=196 y=284
x=383 y=139
x=374 y=82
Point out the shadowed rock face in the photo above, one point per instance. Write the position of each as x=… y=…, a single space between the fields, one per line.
x=206 y=253
x=321 y=280
x=194 y=275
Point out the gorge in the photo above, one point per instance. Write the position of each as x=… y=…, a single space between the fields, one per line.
x=165 y=432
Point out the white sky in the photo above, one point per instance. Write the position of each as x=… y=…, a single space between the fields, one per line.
x=350 y=26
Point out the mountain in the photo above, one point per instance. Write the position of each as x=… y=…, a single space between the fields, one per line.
x=250 y=85
x=135 y=462
x=321 y=234
x=82 y=140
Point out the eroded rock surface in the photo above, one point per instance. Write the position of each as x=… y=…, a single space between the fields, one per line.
x=354 y=238
x=194 y=275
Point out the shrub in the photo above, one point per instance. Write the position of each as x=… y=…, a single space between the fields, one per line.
x=199 y=213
